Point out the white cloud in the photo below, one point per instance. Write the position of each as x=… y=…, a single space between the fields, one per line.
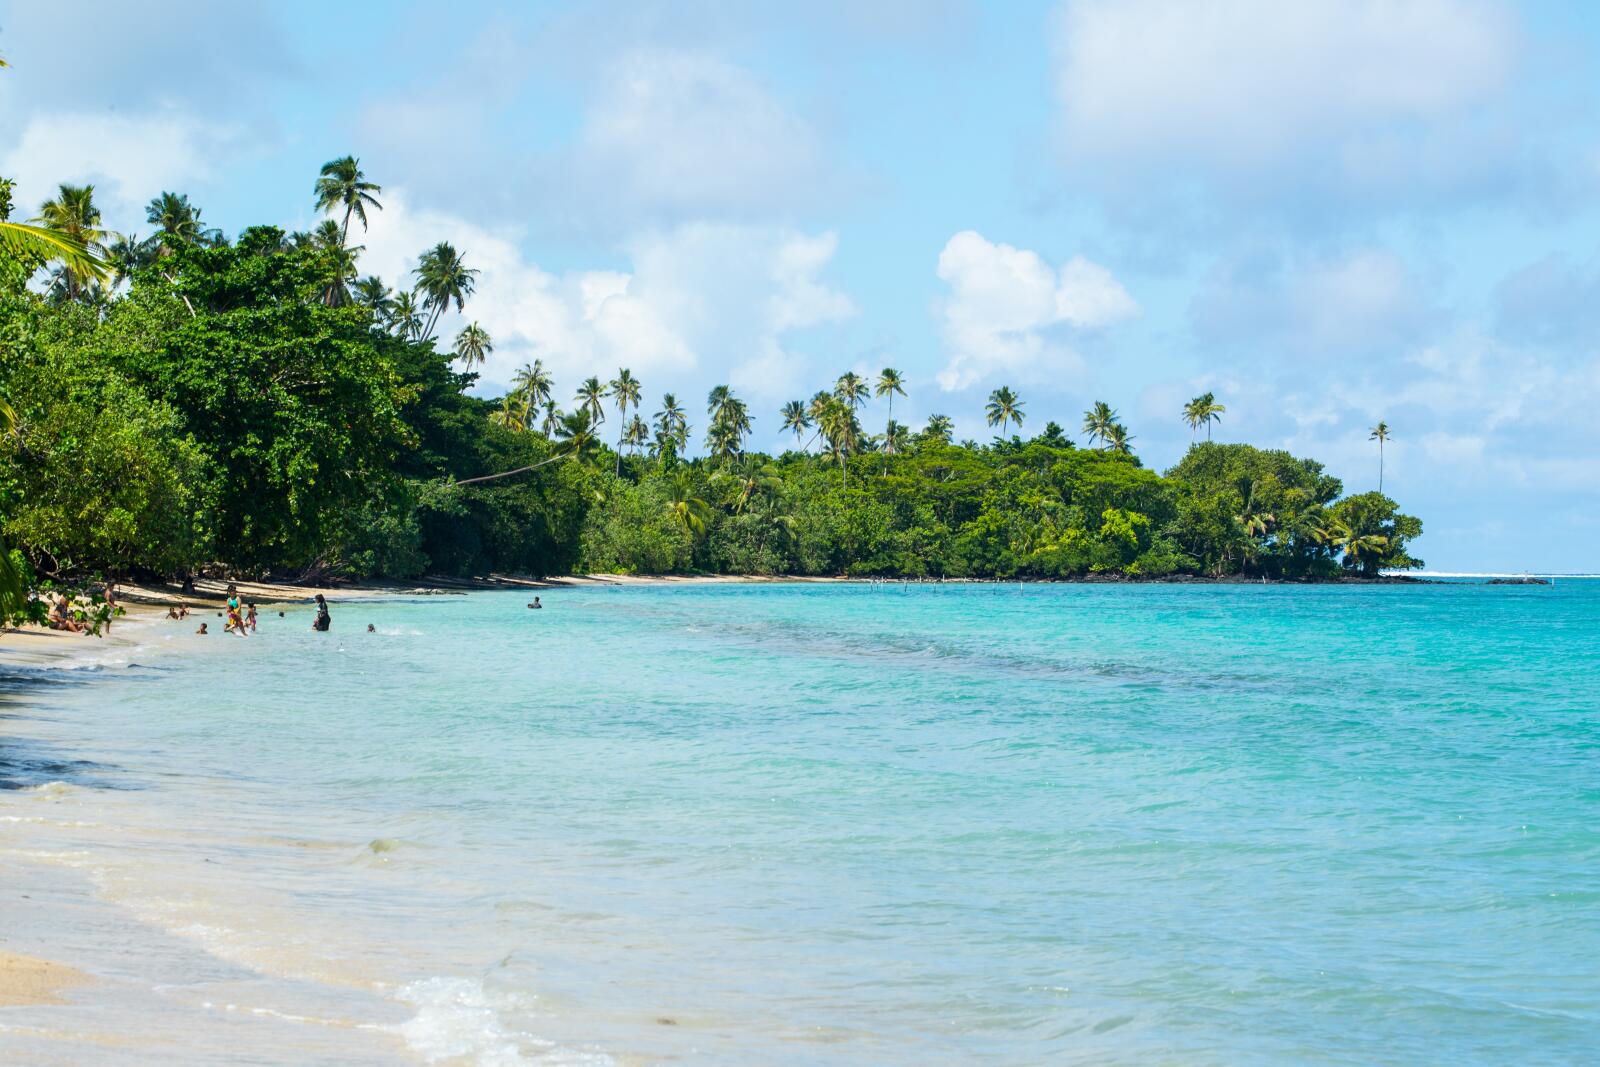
x=1242 y=81
x=129 y=159
x=702 y=302
x=1007 y=306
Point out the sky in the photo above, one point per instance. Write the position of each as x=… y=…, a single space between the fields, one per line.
x=1326 y=213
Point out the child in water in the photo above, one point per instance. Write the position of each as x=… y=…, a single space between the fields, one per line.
x=235 y=620
x=250 y=618
x=202 y=629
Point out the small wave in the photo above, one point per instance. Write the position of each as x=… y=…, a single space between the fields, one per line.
x=458 y=1019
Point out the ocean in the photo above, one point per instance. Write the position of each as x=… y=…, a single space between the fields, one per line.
x=841 y=823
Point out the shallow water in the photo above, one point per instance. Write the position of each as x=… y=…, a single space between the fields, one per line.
x=861 y=824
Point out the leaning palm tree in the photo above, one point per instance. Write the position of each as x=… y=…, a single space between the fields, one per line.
x=473 y=346
x=795 y=418
x=1380 y=434
x=73 y=214
x=1004 y=407
x=576 y=431
x=1097 y=422
x=342 y=185
x=533 y=382
x=625 y=393
x=591 y=398
x=443 y=277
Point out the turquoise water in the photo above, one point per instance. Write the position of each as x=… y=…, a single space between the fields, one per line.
x=864 y=824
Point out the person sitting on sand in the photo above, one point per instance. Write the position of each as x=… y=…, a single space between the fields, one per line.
x=202 y=629
x=323 y=619
x=250 y=618
x=535 y=606
x=61 y=616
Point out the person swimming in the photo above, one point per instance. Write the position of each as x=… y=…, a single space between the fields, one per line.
x=535 y=606
x=371 y=629
x=202 y=629
x=323 y=619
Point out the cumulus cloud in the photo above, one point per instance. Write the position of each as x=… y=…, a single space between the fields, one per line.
x=1354 y=303
x=1008 y=309
x=701 y=303
x=127 y=158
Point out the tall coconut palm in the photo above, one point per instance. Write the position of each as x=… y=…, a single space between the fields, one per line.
x=843 y=434
x=638 y=433
x=591 y=398
x=1097 y=422
x=533 y=382
x=672 y=422
x=342 y=186
x=1203 y=410
x=852 y=389
x=442 y=277
x=625 y=394
x=550 y=425
x=795 y=418
x=890 y=383
x=473 y=346
x=1380 y=434
x=1005 y=407
x=73 y=214
x=405 y=316
x=1118 y=439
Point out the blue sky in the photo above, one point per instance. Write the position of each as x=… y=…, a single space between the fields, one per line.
x=1326 y=213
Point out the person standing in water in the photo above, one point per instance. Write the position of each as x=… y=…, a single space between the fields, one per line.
x=250 y=618
x=323 y=619
x=235 y=623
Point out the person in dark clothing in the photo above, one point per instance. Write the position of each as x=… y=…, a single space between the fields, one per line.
x=323 y=619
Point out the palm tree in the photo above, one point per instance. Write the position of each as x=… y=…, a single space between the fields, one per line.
x=442 y=277
x=512 y=413
x=843 y=434
x=178 y=220
x=1360 y=550
x=672 y=422
x=591 y=398
x=890 y=383
x=1205 y=410
x=895 y=436
x=852 y=389
x=691 y=513
x=73 y=215
x=551 y=424
x=638 y=434
x=576 y=431
x=730 y=422
x=795 y=418
x=1380 y=434
x=1004 y=407
x=940 y=428
x=343 y=185
x=1118 y=440
x=371 y=293
x=128 y=253
x=1098 y=420
x=473 y=346
x=625 y=392
x=533 y=383
x=405 y=316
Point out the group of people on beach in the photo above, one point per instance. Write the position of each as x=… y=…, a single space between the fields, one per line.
x=241 y=616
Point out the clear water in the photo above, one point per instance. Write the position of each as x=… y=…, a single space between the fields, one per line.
x=862 y=824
